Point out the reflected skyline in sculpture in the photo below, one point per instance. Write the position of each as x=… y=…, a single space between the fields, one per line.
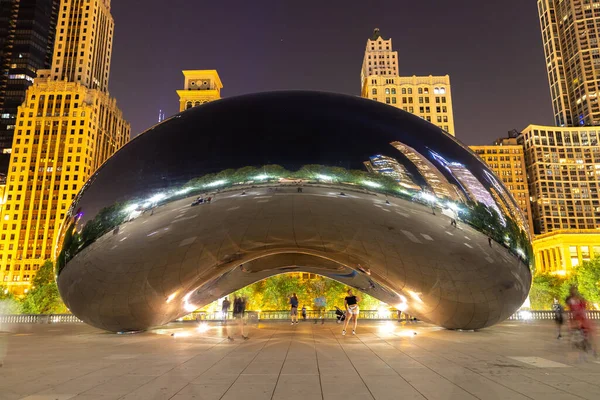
x=298 y=181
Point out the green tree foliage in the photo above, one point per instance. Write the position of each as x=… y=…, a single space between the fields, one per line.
x=588 y=280
x=43 y=298
x=544 y=290
x=8 y=303
x=272 y=294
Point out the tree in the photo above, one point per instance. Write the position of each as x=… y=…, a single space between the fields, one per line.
x=544 y=290
x=587 y=276
x=8 y=303
x=43 y=298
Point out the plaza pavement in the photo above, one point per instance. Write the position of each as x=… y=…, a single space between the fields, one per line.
x=385 y=360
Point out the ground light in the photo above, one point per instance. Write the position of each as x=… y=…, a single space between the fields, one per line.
x=525 y=315
x=203 y=328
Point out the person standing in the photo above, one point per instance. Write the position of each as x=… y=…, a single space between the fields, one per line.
x=351 y=302
x=304 y=313
x=558 y=317
x=320 y=306
x=239 y=307
x=294 y=308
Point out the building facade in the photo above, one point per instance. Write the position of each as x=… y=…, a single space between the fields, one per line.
x=27 y=31
x=66 y=128
x=200 y=86
x=563 y=169
x=561 y=251
x=506 y=159
x=570 y=33
x=428 y=97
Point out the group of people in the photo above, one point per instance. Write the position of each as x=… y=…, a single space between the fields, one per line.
x=239 y=308
x=320 y=303
x=582 y=329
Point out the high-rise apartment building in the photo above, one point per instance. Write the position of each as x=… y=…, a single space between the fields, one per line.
x=200 y=86
x=66 y=128
x=27 y=29
x=570 y=33
x=428 y=97
x=506 y=159
x=563 y=169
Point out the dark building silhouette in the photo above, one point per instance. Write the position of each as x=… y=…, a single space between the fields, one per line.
x=27 y=31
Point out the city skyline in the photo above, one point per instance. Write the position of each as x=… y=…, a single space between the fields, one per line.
x=296 y=48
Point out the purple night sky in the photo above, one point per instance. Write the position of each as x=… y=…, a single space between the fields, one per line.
x=491 y=50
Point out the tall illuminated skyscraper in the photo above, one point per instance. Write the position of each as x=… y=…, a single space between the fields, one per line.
x=563 y=169
x=27 y=30
x=66 y=128
x=570 y=33
x=428 y=97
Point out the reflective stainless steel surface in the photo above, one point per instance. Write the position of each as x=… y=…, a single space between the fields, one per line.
x=300 y=181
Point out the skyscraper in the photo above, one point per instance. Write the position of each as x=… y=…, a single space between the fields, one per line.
x=27 y=30
x=428 y=97
x=563 y=169
x=570 y=32
x=66 y=128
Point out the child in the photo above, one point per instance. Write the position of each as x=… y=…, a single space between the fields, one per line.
x=304 y=313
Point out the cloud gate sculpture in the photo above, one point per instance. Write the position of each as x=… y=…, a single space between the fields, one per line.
x=344 y=187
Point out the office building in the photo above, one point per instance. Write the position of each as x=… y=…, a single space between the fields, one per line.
x=563 y=169
x=570 y=32
x=428 y=97
x=66 y=128
x=200 y=86
x=27 y=30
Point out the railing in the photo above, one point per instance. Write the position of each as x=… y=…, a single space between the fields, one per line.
x=374 y=315
x=285 y=315
x=538 y=315
x=39 y=319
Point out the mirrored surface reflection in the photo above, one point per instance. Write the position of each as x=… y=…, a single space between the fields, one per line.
x=237 y=190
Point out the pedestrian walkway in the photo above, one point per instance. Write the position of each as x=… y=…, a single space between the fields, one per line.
x=385 y=360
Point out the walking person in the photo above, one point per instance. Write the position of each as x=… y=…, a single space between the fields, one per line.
x=558 y=317
x=224 y=313
x=320 y=305
x=581 y=326
x=239 y=308
x=294 y=308
x=351 y=302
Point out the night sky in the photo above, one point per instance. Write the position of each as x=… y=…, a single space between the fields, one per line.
x=491 y=50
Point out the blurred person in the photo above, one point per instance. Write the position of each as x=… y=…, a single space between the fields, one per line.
x=582 y=328
x=320 y=305
x=239 y=308
x=4 y=309
x=224 y=314
x=294 y=308
x=558 y=317
x=351 y=302
x=304 y=313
